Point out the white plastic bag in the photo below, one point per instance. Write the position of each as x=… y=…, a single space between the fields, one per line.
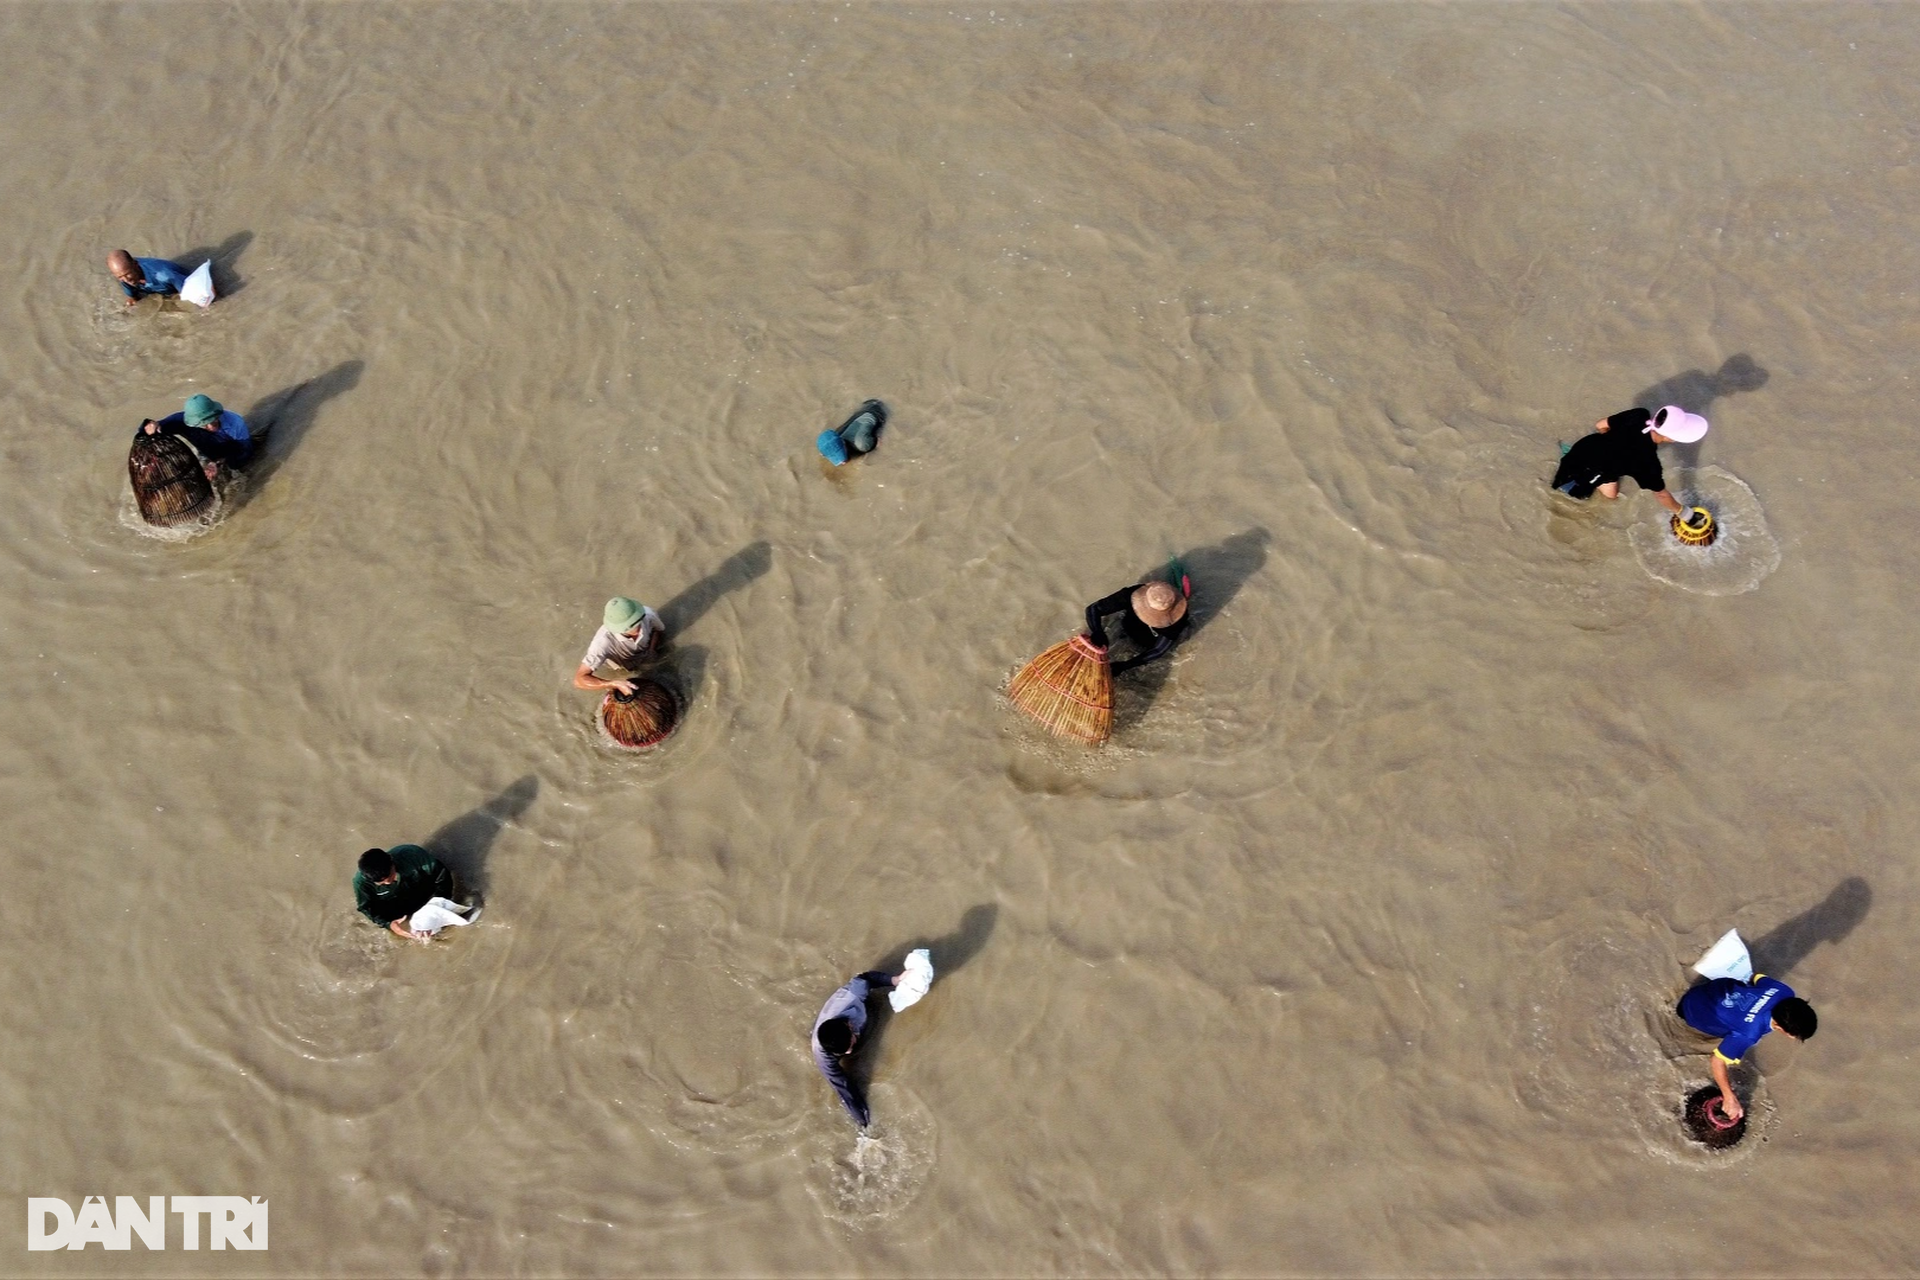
x=199 y=286
x=1726 y=958
x=437 y=915
x=914 y=982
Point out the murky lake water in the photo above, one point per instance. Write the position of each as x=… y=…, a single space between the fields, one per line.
x=1353 y=953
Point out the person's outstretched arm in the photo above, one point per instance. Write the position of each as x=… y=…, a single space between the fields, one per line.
x=585 y=679
x=1096 y=629
x=1728 y=1102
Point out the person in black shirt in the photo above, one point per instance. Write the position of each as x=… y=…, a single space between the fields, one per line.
x=1154 y=617
x=1624 y=445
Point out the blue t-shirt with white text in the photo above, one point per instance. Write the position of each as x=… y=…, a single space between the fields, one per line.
x=1738 y=1012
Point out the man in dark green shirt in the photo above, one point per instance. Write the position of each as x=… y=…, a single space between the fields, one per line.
x=394 y=883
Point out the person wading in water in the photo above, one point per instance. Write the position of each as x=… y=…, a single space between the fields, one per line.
x=1154 y=618
x=1624 y=445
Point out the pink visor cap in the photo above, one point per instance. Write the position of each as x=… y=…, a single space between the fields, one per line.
x=1677 y=425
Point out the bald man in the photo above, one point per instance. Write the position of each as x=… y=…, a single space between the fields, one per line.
x=143 y=276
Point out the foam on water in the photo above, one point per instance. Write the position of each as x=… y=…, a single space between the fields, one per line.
x=863 y=1179
x=1739 y=559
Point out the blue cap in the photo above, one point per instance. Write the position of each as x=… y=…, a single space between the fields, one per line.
x=831 y=447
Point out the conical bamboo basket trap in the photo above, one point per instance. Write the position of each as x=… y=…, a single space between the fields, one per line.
x=641 y=719
x=1696 y=529
x=1069 y=690
x=168 y=483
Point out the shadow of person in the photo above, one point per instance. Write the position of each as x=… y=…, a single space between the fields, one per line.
x=223 y=256
x=1696 y=389
x=683 y=669
x=464 y=843
x=280 y=420
x=1787 y=944
x=1218 y=572
x=737 y=570
x=949 y=953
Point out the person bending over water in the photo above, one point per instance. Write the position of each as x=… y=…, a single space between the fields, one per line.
x=392 y=884
x=837 y=1032
x=1740 y=1013
x=1624 y=445
x=140 y=277
x=1155 y=617
x=217 y=433
x=630 y=631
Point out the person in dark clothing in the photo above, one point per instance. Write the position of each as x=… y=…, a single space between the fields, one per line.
x=218 y=434
x=392 y=884
x=837 y=1031
x=1624 y=445
x=1154 y=618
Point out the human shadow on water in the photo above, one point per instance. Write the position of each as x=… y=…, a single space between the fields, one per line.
x=464 y=843
x=1787 y=944
x=680 y=667
x=1696 y=389
x=737 y=570
x=1218 y=572
x=279 y=421
x=226 y=281
x=950 y=952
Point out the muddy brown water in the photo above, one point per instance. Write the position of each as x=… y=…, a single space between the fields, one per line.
x=1354 y=952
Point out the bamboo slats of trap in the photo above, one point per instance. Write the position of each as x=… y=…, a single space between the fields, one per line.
x=642 y=718
x=1701 y=1124
x=168 y=483
x=1069 y=690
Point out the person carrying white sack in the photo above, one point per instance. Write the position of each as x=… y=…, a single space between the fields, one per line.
x=408 y=892
x=1740 y=1006
x=158 y=277
x=843 y=1020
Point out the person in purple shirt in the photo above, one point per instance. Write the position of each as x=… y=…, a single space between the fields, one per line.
x=217 y=433
x=837 y=1031
x=142 y=276
x=1740 y=1013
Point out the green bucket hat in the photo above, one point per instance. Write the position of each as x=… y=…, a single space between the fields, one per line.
x=623 y=615
x=201 y=410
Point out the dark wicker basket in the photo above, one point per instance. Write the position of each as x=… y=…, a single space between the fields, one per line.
x=642 y=718
x=1702 y=1106
x=168 y=482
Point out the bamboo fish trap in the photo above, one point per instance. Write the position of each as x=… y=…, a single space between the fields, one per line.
x=168 y=483
x=641 y=719
x=1069 y=690
x=1707 y=1124
x=1697 y=529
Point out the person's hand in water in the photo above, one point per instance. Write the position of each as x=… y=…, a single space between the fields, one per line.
x=624 y=686
x=1729 y=1104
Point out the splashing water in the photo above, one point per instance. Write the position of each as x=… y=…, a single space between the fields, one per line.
x=887 y=1167
x=1739 y=559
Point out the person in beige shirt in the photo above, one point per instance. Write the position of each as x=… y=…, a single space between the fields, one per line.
x=631 y=632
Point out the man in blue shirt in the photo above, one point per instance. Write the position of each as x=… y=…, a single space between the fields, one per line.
x=1740 y=1013
x=217 y=433
x=142 y=276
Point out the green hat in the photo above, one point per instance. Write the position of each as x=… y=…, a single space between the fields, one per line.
x=623 y=615
x=201 y=410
